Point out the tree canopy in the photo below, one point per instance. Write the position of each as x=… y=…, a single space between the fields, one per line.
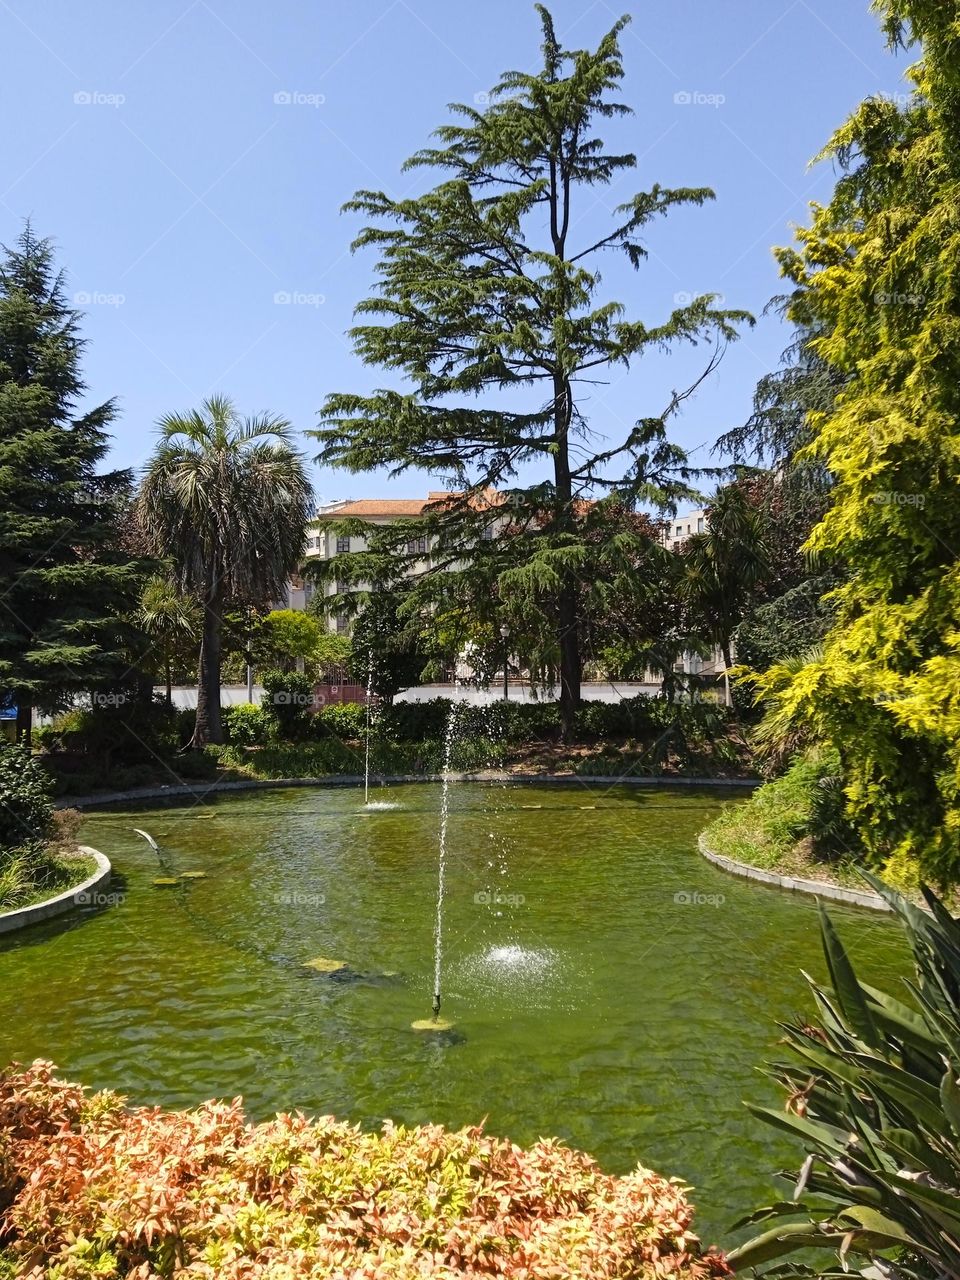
x=493 y=310
x=876 y=274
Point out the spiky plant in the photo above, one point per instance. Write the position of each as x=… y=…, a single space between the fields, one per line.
x=226 y=500
x=874 y=1099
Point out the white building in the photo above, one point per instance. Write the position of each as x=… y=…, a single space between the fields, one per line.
x=323 y=542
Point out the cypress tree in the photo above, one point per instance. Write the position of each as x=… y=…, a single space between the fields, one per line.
x=64 y=579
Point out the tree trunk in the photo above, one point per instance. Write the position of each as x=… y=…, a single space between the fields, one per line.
x=24 y=723
x=568 y=611
x=167 y=665
x=727 y=664
x=571 y=667
x=209 y=726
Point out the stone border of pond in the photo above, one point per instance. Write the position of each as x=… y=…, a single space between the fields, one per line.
x=80 y=895
x=188 y=790
x=795 y=884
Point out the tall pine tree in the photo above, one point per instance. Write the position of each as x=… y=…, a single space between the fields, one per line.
x=64 y=580
x=489 y=306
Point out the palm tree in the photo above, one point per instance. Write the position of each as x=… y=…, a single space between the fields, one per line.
x=226 y=499
x=723 y=568
x=169 y=617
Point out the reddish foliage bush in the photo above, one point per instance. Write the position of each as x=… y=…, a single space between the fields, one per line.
x=91 y=1188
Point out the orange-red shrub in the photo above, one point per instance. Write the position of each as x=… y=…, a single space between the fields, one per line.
x=91 y=1188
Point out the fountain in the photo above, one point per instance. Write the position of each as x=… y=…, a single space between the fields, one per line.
x=368 y=804
x=436 y=1023
x=366 y=771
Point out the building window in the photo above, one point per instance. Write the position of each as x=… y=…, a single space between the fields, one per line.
x=487 y=534
x=679 y=530
x=700 y=525
x=343 y=623
x=343 y=545
x=417 y=547
x=676 y=546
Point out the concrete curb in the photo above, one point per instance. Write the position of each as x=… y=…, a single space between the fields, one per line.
x=353 y=780
x=819 y=888
x=66 y=901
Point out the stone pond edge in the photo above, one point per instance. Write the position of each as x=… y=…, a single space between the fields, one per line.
x=795 y=884
x=199 y=792
x=80 y=895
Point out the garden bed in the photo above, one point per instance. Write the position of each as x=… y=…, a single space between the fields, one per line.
x=203 y=1193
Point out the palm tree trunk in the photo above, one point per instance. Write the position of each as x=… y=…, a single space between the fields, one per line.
x=167 y=664
x=209 y=727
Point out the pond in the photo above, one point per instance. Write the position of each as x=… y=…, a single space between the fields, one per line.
x=607 y=985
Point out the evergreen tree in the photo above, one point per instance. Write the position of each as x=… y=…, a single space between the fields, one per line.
x=877 y=275
x=723 y=568
x=64 y=578
x=489 y=305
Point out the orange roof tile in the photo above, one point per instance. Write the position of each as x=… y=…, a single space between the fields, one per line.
x=376 y=507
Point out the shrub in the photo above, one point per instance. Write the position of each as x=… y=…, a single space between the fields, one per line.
x=874 y=1100
x=64 y=826
x=246 y=725
x=287 y=704
x=134 y=730
x=806 y=801
x=26 y=809
x=343 y=720
x=203 y=1193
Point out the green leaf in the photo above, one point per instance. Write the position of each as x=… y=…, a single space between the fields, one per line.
x=849 y=993
x=783 y=1239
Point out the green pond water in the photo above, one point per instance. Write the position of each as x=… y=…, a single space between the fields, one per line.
x=608 y=985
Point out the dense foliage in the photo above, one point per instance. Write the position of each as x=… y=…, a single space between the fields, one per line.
x=32 y=836
x=874 y=1097
x=226 y=500
x=204 y=1194
x=876 y=280
x=65 y=580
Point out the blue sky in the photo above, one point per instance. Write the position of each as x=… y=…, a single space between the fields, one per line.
x=190 y=158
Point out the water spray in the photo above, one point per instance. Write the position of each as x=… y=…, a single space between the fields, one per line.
x=366 y=771
x=437 y=1023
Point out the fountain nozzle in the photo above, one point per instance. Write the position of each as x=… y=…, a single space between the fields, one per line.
x=436 y=1005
